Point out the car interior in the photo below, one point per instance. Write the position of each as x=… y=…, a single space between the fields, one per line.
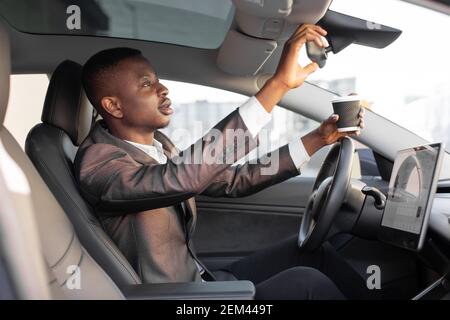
x=46 y=227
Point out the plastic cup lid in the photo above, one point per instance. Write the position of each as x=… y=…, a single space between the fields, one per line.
x=346 y=98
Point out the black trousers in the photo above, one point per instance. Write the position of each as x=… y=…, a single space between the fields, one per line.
x=284 y=272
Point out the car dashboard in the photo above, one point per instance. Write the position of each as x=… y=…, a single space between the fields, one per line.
x=436 y=252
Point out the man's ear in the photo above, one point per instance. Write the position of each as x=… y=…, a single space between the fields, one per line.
x=112 y=106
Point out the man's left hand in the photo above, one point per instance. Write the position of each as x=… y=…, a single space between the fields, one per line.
x=327 y=133
x=328 y=129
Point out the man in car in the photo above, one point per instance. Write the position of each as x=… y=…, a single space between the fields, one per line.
x=142 y=188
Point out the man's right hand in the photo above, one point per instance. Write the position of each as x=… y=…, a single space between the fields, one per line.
x=289 y=73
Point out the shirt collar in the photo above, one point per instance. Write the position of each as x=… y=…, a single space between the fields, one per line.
x=156 y=144
x=155 y=151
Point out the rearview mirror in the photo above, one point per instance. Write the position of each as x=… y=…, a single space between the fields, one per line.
x=344 y=30
x=317 y=54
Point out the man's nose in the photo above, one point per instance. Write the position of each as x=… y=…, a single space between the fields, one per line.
x=162 y=90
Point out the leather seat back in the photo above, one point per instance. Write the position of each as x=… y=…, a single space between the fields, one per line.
x=61 y=248
x=64 y=255
x=52 y=146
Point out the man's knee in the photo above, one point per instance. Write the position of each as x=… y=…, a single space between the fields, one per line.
x=298 y=283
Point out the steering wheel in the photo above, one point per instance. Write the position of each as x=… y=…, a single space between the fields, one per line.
x=329 y=190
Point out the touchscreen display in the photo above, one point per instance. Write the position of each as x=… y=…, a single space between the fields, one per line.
x=410 y=187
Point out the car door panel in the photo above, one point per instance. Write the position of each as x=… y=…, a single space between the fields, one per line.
x=229 y=228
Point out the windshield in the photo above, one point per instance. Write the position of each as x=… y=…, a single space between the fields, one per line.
x=193 y=23
x=408 y=81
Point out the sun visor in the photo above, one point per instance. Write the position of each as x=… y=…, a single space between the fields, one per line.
x=276 y=19
x=344 y=30
x=260 y=25
x=244 y=55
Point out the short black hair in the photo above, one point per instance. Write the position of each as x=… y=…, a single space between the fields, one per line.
x=98 y=69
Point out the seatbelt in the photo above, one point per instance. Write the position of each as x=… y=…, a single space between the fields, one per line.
x=204 y=272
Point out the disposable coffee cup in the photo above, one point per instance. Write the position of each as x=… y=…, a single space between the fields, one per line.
x=348 y=110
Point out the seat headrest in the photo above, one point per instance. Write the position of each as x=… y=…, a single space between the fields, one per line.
x=5 y=72
x=66 y=105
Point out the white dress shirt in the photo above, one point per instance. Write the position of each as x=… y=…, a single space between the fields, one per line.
x=255 y=118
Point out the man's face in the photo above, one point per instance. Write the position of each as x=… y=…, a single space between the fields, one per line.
x=143 y=100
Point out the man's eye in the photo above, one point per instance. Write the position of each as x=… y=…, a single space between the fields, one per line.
x=147 y=84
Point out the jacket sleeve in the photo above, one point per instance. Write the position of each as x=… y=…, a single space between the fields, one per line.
x=251 y=177
x=113 y=181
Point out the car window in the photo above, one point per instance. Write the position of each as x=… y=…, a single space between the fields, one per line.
x=198 y=108
x=26 y=100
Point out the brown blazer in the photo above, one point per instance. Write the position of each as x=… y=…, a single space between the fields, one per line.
x=148 y=208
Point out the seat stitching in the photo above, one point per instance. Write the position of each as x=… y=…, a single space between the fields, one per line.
x=116 y=287
x=83 y=253
x=65 y=252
